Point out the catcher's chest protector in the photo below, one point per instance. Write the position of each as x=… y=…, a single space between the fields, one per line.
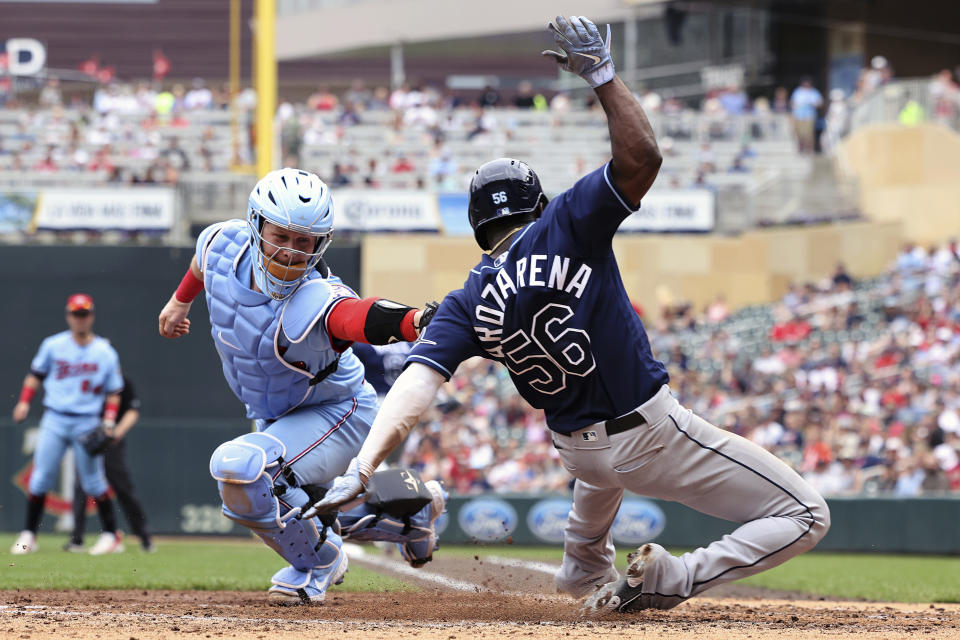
x=244 y=325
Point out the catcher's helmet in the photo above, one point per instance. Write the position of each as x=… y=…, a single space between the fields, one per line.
x=298 y=201
x=502 y=188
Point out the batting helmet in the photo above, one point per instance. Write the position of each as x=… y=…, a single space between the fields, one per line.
x=502 y=188
x=300 y=202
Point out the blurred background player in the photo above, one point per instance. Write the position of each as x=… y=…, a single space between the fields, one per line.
x=81 y=379
x=382 y=364
x=548 y=301
x=118 y=477
x=283 y=325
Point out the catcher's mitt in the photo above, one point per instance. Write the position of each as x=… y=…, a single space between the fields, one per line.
x=97 y=441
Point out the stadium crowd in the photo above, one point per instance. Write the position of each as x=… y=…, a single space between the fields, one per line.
x=855 y=384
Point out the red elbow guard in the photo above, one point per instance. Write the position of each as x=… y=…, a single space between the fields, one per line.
x=372 y=320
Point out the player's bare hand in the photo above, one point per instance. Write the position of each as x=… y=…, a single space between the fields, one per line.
x=173 y=319
x=20 y=411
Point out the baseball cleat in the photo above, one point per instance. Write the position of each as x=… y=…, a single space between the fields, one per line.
x=588 y=586
x=420 y=552
x=108 y=543
x=292 y=587
x=25 y=543
x=623 y=595
x=74 y=547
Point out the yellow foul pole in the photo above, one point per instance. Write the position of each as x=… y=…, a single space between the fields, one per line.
x=234 y=82
x=266 y=78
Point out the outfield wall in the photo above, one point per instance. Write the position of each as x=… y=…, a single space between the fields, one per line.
x=169 y=461
x=908 y=175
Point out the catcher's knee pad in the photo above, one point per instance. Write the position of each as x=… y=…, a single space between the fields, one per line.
x=244 y=468
x=402 y=509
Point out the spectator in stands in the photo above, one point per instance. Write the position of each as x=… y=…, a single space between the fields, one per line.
x=50 y=95
x=876 y=75
x=175 y=155
x=339 y=177
x=718 y=311
x=373 y=176
x=837 y=121
x=402 y=164
x=649 y=100
x=199 y=96
x=560 y=103
x=804 y=103
x=734 y=100
x=706 y=159
x=443 y=171
x=398 y=98
x=47 y=163
x=781 y=100
x=322 y=100
x=841 y=278
x=490 y=97
x=524 y=98
x=945 y=98
x=738 y=166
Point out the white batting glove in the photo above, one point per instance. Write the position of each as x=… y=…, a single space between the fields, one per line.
x=346 y=489
x=583 y=51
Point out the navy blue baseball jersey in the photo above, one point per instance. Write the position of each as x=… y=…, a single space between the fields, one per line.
x=553 y=309
x=382 y=364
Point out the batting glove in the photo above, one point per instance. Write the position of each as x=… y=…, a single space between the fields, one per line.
x=345 y=489
x=583 y=51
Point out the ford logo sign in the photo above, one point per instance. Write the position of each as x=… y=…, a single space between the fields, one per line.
x=638 y=521
x=548 y=518
x=488 y=519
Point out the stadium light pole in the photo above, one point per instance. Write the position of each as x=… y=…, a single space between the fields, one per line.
x=265 y=26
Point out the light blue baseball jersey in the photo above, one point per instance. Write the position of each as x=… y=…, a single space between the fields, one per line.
x=271 y=350
x=77 y=379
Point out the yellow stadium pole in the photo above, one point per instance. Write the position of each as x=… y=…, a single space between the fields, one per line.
x=234 y=83
x=266 y=79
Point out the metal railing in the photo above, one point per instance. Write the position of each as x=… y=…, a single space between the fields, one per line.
x=909 y=102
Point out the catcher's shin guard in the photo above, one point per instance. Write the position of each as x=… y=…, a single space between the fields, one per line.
x=415 y=534
x=292 y=586
x=242 y=468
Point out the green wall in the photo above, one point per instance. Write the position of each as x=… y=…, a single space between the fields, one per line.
x=169 y=458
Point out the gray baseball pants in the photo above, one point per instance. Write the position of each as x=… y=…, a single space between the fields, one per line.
x=678 y=456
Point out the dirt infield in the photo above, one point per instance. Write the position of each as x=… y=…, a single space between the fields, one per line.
x=488 y=598
x=140 y=615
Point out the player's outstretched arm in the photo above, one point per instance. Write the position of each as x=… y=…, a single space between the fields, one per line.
x=636 y=157
x=173 y=318
x=402 y=407
x=378 y=321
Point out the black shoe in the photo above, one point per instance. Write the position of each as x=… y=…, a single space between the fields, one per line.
x=74 y=547
x=147 y=546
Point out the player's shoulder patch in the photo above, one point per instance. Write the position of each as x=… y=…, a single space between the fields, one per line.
x=302 y=310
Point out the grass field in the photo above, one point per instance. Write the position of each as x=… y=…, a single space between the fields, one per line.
x=240 y=564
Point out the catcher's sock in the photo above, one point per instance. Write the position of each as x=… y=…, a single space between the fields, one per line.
x=34 y=511
x=108 y=517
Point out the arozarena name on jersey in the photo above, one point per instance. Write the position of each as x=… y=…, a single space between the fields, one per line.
x=537 y=271
x=67 y=369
